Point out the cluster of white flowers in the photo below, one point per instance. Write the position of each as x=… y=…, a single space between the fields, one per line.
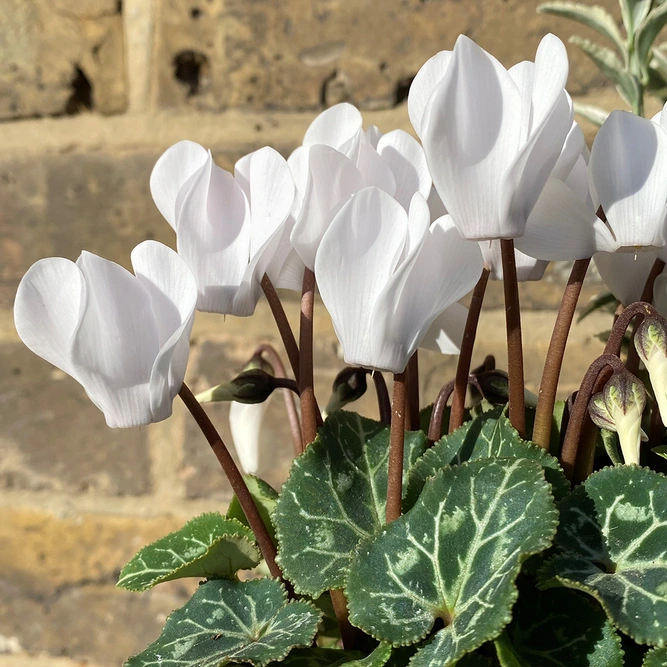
x=396 y=231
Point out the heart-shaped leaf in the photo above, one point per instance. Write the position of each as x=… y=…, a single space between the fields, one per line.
x=613 y=545
x=454 y=556
x=265 y=497
x=656 y=658
x=559 y=628
x=232 y=621
x=490 y=435
x=334 y=497
x=207 y=546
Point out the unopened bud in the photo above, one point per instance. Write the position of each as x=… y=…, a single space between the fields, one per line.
x=257 y=361
x=252 y=386
x=651 y=345
x=619 y=407
x=494 y=387
x=348 y=386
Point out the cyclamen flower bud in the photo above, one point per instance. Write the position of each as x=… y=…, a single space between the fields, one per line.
x=348 y=386
x=619 y=407
x=251 y=386
x=651 y=345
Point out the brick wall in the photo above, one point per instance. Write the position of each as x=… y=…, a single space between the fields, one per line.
x=91 y=92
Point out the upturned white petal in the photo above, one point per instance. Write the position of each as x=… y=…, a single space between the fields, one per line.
x=628 y=172
x=214 y=237
x=245 y=424
x=173 y=291
x=470 y=140
x=170 y=173
x=625 y=273
x=48 y=306
x=332 y=180
x=431 y=73
x=407 y=161
x=443 y=269
x=357 y=255
x=446 y=333
x=336 y=127
x=116 y=342
x=373 y=169
x=527 y=268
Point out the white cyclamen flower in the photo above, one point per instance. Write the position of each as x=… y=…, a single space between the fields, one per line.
x=385 y=275
x=231 y=230
x=124 y=337
x=491 y=136
x=245 y=424
x=337 y=159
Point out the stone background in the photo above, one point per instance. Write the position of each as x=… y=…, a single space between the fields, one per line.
x=91 y=93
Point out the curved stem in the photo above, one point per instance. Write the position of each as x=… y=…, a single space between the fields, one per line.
x=348 y=633
x=579 y=412
x=236 y=481
x=517 y=408
x=632 y=362
x=311 y=417
x=465 y=355
x=435 y=425
x=615 y=340
x=288 y=397
x=286 y=383
x=384 y=404
x=284 y=328
x=396 y=444
x=554 y=359
x=412 y=392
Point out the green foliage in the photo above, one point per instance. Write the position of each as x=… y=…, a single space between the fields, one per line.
x=612 y=541
x=207 y=546
x=227 y=621
x=656 y=658
x=335 y=496
x=265 y=497
x=560 y=628
x=454 y=556
x=488 y=436
x=634 y=63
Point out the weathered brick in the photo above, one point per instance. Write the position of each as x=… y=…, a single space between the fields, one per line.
x=53 y=437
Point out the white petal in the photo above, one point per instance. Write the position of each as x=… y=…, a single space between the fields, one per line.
x=171 y=171
x=471 y=138
x=419 y=221
x=49 y=302
x=298 y=164
x=431 y=73
x=661 y=118
x=373 y=169
x=562 y=228
x=173 y=292
x=572 y=151
x=214 y=237
x=245 y=423
x=357 y=255
x=291 y=273
x=373 y=135
x=407 y=161
x=336 y=127
x=332 y=180
x=446 y=333
x=628 y=171
x=445 y=268
x=435 y=204
x=625 y=273
x=116 y=342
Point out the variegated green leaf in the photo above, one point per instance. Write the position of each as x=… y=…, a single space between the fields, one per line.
x=613 y=545
x=609 y=64
x=207 y=546
x=334 y=497
x=647 y=32
x=559 y=628
x=633 y=13
x=377 y=658
x=661 y=450
x=487 y=436
x=454 y=556
x=656 y=658
x=265 y=497
x=232 y=621
x=592 y=16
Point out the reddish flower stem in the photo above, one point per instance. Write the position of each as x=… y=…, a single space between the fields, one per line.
x=311 y=418
x=438 y=413
x=465 y=355
x=517 y=408
x=288 y=397
x=396 y=445
x=412 y=392
x=236 y=481
x=284 y=328
x=554 y=359
x=384 y=404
